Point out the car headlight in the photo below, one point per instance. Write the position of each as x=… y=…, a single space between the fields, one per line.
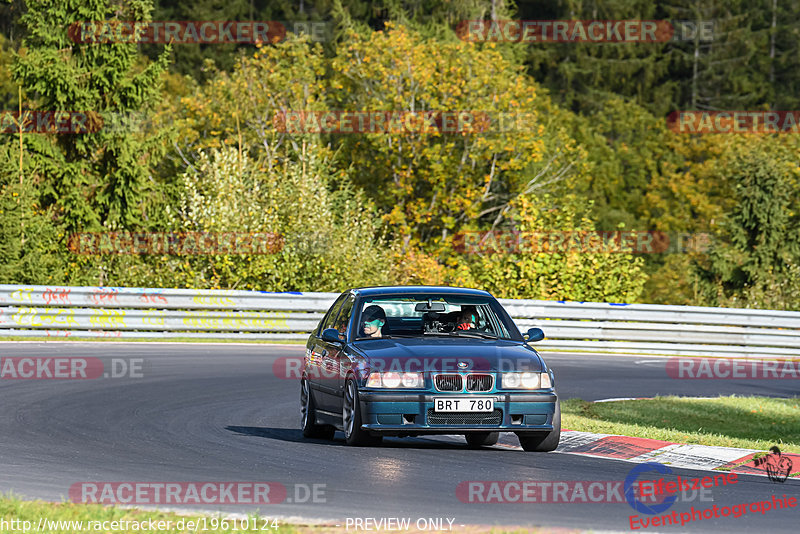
x=395 y=380
x=526 y=380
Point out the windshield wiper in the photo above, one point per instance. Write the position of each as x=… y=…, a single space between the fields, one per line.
x=468 y=333
x=463 y=333
x=388 y=336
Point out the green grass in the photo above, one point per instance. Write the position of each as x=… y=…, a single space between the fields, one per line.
x=744 y=422
x=14 y=509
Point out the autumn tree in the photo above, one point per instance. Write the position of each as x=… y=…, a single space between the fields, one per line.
x=240 y=171
x=568 y=261
x=430 y=182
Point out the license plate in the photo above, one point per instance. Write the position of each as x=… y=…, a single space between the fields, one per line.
x=462 y=404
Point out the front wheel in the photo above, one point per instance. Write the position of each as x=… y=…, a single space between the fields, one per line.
x=476 y=440
x=308 y=415
x=351 y=418
x=543 y=441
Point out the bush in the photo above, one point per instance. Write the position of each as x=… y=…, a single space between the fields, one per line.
x=330 y=232
x=571 y=275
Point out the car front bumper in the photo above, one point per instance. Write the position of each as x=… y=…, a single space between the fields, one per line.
x=398 y=413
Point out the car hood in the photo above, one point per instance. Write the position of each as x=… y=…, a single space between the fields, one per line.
x=445 y=354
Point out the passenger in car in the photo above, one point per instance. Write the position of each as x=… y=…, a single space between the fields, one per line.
x=468 y=318
x=373 y=318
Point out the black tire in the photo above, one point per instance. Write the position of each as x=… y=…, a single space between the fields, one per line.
x=308 y=416
x=543 y=441
x=351 y=418
x=476 y=440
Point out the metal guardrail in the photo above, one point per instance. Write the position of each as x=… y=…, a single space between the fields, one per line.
x=125 y=312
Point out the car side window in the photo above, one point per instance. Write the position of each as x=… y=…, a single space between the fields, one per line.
x=344 y=317
x=489 y=322
x=327 y=321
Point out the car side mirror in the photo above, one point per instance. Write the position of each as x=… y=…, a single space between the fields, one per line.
x=534 y=334
x=331 y=335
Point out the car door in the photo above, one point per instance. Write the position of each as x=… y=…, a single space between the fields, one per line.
x=322 y=377
x=337 y=355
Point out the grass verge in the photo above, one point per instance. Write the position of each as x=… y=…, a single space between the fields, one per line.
x=743 y=422
x=69 y=518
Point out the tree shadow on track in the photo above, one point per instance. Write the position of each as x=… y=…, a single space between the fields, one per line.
x=296 y=436
x=282 y=434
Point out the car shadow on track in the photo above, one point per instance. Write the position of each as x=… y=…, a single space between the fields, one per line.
x=296 y=436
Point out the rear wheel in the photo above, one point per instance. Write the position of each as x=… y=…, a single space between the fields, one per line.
x=475 y=440
x=543 y=441
x=308 y=415
x=351 y=418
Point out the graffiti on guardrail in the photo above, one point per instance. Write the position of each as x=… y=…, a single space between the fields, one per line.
x=104 y=295
x=106 y=333
x=24 y=294
x=58 y=333
x=108 y=318
x=154 y=318
x=212 y=300
x=36 y=317
x=153 y=296
x=213 y=320
x=159 y=312
x=59 y=295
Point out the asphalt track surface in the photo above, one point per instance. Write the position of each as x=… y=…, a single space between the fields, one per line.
x=218 y=413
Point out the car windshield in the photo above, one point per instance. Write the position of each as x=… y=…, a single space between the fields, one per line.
x=432 y=315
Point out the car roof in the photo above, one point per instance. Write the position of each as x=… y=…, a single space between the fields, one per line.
x=404 y=290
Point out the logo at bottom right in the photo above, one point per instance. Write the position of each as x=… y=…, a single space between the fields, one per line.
x=776 y=465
